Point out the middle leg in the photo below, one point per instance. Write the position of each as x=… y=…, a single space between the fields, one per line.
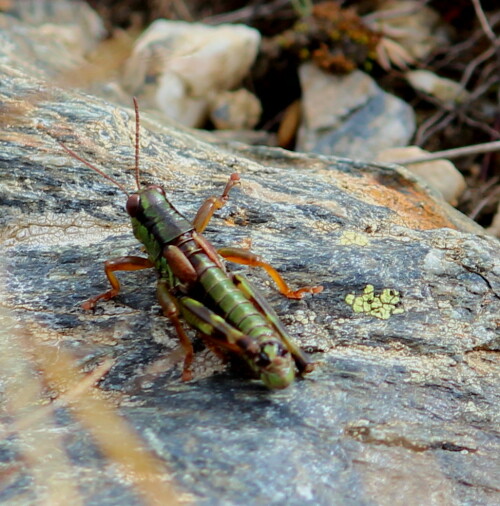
x=171 y=310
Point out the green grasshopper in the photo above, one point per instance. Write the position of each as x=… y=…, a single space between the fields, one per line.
x=224 y=308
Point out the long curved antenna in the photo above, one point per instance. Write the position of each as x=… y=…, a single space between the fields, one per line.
x=137 y=124
x=88 y=164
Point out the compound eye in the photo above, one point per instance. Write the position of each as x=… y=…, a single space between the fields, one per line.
x=262 y=360
x=282 y=351
x=158 y=189
x=132 y=205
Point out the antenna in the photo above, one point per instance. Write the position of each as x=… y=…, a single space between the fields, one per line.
x=88 y=164
x=137 y=125
x=99 y=171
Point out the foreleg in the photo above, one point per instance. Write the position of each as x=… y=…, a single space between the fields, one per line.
x=212 y=204
x=110 y=267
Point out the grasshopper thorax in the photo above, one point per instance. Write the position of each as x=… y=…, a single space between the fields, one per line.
x=155 y=221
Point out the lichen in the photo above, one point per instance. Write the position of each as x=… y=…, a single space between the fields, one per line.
x=353 y=237
x=382 y=305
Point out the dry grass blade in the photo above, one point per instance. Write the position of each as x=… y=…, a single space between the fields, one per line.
x=114 y=436
x=64 y=399
x=20 y=358
x=40 y=444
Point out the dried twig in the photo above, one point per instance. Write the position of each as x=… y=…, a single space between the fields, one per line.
x=440 y=119
x=247 y=13
x=474 y=63
x=431 y=125
x=486 y=147
x=488 y=31
x=479 y=125
x=492 y=196
x=484 y=23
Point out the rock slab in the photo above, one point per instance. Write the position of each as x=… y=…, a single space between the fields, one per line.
x=403 y=404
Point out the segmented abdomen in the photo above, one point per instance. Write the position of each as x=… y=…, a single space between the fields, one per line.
x=224 y=298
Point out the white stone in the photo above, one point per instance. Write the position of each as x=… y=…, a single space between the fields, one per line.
x=235 y=110
x=179 y=67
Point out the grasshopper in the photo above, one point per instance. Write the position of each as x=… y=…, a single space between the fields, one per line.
x=224 y=308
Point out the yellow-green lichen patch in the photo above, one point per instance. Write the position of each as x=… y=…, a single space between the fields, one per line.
x=352 y=237
x=380 y=306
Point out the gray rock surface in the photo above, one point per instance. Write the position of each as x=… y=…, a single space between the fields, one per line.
x=350 y=115
x=401 y=410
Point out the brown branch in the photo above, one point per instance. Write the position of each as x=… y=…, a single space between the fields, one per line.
x=480 y=125
x=440 y=119
x=485 y=25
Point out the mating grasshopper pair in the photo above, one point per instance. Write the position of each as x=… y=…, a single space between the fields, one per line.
x=226 y=311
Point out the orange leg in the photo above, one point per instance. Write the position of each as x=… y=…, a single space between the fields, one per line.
x=212 y=204
x=117 y=264
x=244 y=257
x=170 y=309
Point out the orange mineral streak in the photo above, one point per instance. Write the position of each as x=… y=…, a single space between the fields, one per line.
x=412 y=207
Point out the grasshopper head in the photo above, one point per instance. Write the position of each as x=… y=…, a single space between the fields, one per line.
x=134 y=203
x=275 y=365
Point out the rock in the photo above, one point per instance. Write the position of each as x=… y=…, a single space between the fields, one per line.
x=235 y=110
x=494 y=228
x=55 y=33
x=180 y=67
x=253 y=137
x=350 y=115
x=403 y=403
x=86 y=25
x=390 y=398
x=417 y=28
x=442 y=175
